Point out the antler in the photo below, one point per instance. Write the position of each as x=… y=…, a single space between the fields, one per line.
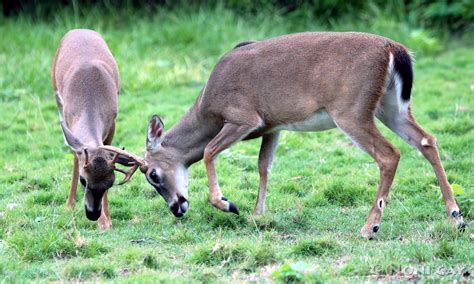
x=137 y=162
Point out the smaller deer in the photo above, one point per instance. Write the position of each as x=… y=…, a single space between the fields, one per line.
x=85 y=80
x=298 y=82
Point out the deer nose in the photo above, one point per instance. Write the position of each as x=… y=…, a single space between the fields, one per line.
x=93 y=215
x=183 y=204
x=180 y=207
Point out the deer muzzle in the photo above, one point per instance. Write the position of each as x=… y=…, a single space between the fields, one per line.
x=178 y=208
x=93 y=205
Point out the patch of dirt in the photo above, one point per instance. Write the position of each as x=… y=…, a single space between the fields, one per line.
x=399 y=276
x=262 y=275
x=344 y=143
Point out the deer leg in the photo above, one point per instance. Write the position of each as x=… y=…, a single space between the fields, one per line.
x=265 y=159
x=108 y=139
x=228 y=135
x=369 y=139
x=105 y=222
x=75 y=177
x=410 y=131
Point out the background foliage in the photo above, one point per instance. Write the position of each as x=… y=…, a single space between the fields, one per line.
x=448 y=15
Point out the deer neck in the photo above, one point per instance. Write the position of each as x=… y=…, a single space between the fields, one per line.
x=188 y=138
x=88 y=130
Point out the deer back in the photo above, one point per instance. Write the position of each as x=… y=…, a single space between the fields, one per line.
x=86 y=84
x=289 y=78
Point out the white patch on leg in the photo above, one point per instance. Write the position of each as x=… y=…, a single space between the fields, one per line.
x=380 y=203
x=425 y=142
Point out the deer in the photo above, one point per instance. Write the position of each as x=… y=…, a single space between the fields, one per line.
x=312 y=81
x=85 y=81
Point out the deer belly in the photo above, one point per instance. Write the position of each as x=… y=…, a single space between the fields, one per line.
x=319 y=121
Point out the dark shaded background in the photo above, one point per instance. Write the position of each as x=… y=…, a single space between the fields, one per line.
x=449 y=15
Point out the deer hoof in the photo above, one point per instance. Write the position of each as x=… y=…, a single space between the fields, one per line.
x=455 y=214
x=368 y=232
x=233 y=208
x=104 y=224
x=457 y=218
x=258 y=212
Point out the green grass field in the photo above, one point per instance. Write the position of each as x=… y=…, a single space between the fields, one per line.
x=320 y=190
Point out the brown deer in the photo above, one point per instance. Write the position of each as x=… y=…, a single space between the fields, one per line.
x=86 y=86
x=300 y=82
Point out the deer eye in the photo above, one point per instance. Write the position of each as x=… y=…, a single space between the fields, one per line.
x=82 y=180
x=154 y=177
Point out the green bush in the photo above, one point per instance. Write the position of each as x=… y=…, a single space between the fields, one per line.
x=452 y=15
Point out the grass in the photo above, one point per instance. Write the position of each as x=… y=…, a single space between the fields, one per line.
x=320 y=189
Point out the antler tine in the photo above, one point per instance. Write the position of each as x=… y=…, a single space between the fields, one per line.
x=125 y=153
x=114 y=159
x=121 y=171
x=139 y=162
x=128 y=174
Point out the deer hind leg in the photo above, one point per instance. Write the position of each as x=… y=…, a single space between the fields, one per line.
x=265 y=159
x=366 y=135
x=105 y=222
x=405 y=126
x=229 y=134
x=75 y=177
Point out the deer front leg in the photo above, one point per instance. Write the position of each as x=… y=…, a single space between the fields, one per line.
x=75 y=177
x=228 y=135
x=265 y=159
x=105 y=222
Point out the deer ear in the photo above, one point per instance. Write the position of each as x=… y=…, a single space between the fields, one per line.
x=154 y=133
x=60 y=105
x=69 y=138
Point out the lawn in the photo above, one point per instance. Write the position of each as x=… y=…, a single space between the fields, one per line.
x=320 y=190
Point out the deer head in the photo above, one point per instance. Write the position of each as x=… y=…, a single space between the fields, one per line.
x=162 y=168
x=96 y=171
